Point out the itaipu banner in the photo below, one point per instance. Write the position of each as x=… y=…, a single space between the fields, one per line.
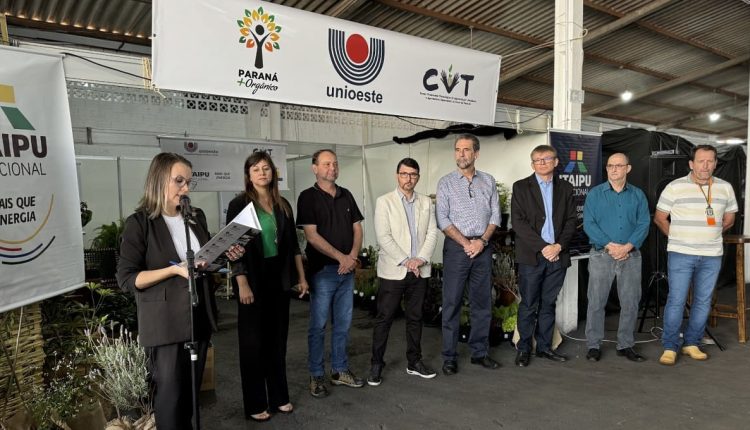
x=264 y=51
x=580 y=163
x=218 y=164
x=41 y=243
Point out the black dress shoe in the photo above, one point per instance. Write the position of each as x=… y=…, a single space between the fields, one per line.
x=552 y=355
x=522 y=359
x=450 y=367
x=594 y=354
x=485 y=362
x=631 y=355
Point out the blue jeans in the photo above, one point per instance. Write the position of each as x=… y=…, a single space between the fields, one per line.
x=330 y=292
x=683 y=270
x=602 y=270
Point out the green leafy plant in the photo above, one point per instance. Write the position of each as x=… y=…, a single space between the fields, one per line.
x=503 y=194
x=508 y=315
x=63 y=394
x=108 y=235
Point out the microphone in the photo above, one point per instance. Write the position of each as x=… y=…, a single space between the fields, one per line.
x=185 y=209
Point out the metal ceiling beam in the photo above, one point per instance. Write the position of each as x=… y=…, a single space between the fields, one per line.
x=670 y=84
x=658 y=30
x=737 y=132
x=719 y=108
x=661 y=75
x=41 y=25
x=593 y=35
x=342 y=7
x=600 y=92
x=459 y=21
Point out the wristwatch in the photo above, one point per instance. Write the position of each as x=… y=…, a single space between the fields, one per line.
x=484 y=242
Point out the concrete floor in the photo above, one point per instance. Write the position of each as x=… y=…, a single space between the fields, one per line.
x=613 y=393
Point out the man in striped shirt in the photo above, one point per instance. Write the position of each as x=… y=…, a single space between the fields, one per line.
x=693 y=212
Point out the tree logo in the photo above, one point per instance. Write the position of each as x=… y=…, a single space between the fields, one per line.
x=259 y=30
x=355 y=61
x=576 y=158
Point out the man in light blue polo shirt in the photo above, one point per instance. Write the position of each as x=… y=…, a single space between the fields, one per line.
x=616 y=220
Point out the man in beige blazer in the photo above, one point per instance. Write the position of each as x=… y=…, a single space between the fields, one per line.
x=406 y=231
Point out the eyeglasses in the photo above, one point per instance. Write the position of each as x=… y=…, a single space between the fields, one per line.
x=471 y=192
x=404 y=175
x=545 y=160
x=616 y=166
x=181 y=182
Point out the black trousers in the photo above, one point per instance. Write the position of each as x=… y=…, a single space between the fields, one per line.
x=171 y=382
x=539 y=286
x=263 y=328
x=413 y=290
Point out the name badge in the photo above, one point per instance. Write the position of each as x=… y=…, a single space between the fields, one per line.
x=709 y=211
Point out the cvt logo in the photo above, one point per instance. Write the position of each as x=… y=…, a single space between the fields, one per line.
x=449 y=80
x=576 y=157
x=259 y=30
x=355 y=61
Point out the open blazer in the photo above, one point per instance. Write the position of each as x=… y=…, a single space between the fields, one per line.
x=392 y=233
x=527 y=215
x=164 y=308
x=251 y=264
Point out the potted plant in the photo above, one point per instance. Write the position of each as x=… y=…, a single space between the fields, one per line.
x=503 y=195
x=120 y=376
x=504 y=277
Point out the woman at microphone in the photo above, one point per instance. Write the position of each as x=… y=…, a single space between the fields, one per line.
x=263 y=278
x=152 y=267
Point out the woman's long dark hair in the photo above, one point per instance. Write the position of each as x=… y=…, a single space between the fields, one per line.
x=252 y=195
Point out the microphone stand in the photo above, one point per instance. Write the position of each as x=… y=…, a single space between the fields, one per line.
x=187 y=218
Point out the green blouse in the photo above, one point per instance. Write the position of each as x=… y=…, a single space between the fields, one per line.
x=268 y=234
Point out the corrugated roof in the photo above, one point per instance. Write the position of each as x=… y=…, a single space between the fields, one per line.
x=662 y=41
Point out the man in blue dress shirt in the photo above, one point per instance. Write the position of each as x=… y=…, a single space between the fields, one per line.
x=616 y=219
x=467 y=212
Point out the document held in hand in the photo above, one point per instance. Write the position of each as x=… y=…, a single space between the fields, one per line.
x=243 y=227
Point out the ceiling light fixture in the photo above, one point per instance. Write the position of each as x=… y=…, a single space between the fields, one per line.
x=626 y=96
x=731 y=141
x=714 y=116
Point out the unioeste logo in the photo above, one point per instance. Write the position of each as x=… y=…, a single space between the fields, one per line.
x=355 y=61
x=576 y=158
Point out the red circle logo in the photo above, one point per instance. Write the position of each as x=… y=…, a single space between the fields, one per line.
x=356 y=48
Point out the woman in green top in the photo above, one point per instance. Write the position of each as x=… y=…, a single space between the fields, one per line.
x=270 y=268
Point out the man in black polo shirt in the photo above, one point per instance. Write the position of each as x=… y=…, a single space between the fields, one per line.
x=324 y=212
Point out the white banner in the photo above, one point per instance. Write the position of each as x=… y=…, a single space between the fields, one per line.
x=218 y=164
x=263 y=51
x=41 y=244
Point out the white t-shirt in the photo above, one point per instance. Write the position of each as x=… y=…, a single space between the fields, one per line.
x=177 y=231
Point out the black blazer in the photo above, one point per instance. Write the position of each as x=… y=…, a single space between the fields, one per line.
x=251 y=264
x=164 y=308
x=527 y=216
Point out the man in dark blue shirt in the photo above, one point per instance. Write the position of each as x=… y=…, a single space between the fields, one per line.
x=616 y=219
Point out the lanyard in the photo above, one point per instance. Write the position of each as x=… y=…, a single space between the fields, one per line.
x=707 y=197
